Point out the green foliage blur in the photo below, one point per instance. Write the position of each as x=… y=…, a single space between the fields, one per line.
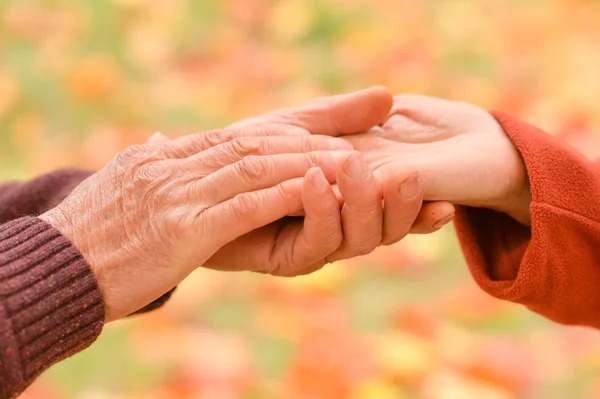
x=81 y=80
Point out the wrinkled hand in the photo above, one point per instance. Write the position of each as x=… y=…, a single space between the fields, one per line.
x=461 y=151
x=160 y=210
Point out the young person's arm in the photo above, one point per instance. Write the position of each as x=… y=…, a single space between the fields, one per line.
x=552 y=267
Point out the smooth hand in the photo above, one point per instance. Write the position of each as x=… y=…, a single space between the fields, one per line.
x=462 y=153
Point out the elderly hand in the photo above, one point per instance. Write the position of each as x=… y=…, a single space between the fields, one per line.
x=160 y=210
x=220 y=199
x=461 y=151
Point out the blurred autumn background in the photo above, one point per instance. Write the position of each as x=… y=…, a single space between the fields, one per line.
x=80 y=80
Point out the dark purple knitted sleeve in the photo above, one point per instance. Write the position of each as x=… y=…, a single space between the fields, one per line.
x=39 y=195
x=50 y=302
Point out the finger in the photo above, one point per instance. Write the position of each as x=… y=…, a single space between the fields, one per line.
x=403 y=197
x=259 y=172
x=249 y=211
x=336 y=191
x=157 y=139
x=192 y=144
x=362 y=212
x=235 y=150
x=321 y=233
x=336 y=115
x=433 y=216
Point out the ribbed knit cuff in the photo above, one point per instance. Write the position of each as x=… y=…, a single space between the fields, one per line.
x=50 y=302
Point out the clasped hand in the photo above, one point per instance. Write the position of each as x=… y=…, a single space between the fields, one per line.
x=226 y=199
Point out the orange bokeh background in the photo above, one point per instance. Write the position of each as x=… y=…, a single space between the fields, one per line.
x=79 y=81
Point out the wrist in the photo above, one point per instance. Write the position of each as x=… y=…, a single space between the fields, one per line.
x=102 y=243
x=60 y=219
x=516 y=198
x=517 y=205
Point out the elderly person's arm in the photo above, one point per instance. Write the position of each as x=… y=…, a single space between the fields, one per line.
x=50 y=304
x=132 y=231
x=31 y=253
x=30 y=247
x=39 y=195
x=32 y=198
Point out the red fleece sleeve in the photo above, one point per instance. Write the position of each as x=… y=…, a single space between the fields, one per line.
x=553 y=267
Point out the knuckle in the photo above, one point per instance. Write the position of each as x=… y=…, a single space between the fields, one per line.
x=215 y=137
x=193 y=144
x=150 y=173
x=131 y=154
x=244 y=204
x=305 y=143
x=262 y=146
x=243 y=147
x=312 y=159
x=283 y=191
x=261 y=130
x=198 y=141
x=252 y=168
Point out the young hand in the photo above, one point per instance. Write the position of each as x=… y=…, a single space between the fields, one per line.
x=461 y=151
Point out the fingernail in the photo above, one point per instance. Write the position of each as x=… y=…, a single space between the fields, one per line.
x=318 y=180
x=340 y=144
x=356 y=168
x=443 y=221
x=411 y=187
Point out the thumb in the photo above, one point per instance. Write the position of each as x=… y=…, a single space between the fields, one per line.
x=335 y=115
